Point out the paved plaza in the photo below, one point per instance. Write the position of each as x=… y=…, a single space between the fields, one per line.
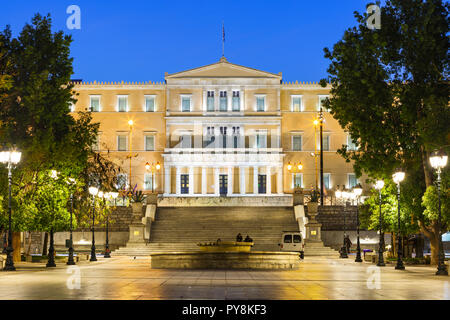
x=132 y=279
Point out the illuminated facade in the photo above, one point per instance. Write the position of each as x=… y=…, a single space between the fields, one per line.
x=217 y=130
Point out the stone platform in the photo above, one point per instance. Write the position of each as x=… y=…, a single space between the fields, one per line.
x=264 y=260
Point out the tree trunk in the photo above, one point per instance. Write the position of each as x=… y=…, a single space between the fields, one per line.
x=434 y=244
x=419 y=245
x=44 y=248
x=16 y=246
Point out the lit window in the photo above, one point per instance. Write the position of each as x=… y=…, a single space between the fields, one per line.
x=185 y=103
x=260 y=103
x=326 y=180
x=236 y=101
x=297 y=180
x=326 y=142
x=223 y=101
x=352 y=181
x=148 y=181
x=122 y=181
x=95 y=104
x=351 y=145
x=296 y=103
x=210 y=101
x=149 y=104
x=122 y=103
x=122 y=142
x=150 y=143
x=297 y=143
x=320 y=103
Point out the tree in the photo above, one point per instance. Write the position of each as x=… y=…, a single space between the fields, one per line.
x=390 y=92
x=35 y=95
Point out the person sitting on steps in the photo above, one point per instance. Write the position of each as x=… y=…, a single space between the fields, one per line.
x=239 y=238
x=248 y=239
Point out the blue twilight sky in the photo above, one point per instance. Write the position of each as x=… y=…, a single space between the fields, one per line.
x=140 y=40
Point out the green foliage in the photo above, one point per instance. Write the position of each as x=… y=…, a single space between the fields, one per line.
x=138 y=196
x=430 y=201
x=390 y=92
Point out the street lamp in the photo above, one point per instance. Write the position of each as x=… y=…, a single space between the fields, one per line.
x=379 y=185
x=438 y=160
x=70 y=260
x=154 y=167
x=357 y=191
x=112 y=195
x=343 y=195
x=94 y=192
x=130 y=123
x=11 y=158
x=398 y=177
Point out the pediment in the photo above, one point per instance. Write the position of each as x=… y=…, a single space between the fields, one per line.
x=223 y=69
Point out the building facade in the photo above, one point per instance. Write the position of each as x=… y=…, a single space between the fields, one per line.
x=218 y=130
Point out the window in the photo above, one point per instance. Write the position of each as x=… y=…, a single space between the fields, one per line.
x=297 y=143
x=150 y=143
x=122 y=181
x=149 y=104
x=320 y=103
x=236 y=101
x=287 y=238
x=223 y=133
x=95 y=104
x=260 y=103
x=185 y=141
x=210 y=101
x=352 y=181
x=326 y=142
x=297 y=180
x=185 y=103
x=236 y=135
x=297 y=238
x=96 y=145
x=223 y=104
x=296 y=103
x=209 y=137
x=148 y=181
x=351 y=145
x=122 y=103
x=326 y=180
x=122 y=141
x=261 y=139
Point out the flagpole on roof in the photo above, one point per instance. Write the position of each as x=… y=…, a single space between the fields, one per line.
x=223 y=39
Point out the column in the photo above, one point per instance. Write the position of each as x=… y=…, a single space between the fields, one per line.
x=268 y=180
x=230 y=181
x=242 y=178
x=178 y=181
x=191 y=180
x=167 y=179
x=204 y=186
x=280 y=180
x=255 y=180
x=216 y=182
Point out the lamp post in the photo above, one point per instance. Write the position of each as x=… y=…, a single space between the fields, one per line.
x=130 y=123
x=94 y=192
x=379 y=185
x=10 y=158
x=357 y=191
x=154 y=167
x=438 y=160
x=343 y=195
x=321 y=156
x=70 y=260
x=112 y=195
x=398 y=177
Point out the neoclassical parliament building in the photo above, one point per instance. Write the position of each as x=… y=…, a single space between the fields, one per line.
x=221 y=130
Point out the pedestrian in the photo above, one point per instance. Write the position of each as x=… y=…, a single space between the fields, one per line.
x=348 y=243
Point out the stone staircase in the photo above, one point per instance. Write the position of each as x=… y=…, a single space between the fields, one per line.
x=181 y=228
x=316 y=248
x=178 y=229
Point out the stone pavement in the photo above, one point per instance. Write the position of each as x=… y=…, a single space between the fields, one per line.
x=126 y=278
